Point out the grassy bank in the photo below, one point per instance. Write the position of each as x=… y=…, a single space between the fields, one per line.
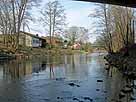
x=53 y=51
x=124 y=62
x=26 y=52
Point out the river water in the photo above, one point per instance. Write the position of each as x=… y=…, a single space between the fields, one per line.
x=67 y=78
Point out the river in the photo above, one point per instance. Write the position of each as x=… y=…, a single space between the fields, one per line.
x=67 y=78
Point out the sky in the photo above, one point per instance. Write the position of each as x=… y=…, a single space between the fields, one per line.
x=77 y=15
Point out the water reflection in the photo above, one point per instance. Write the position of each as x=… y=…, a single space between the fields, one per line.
x=49 y=65
x=83 y=70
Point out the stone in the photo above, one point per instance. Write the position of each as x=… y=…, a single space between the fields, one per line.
x=106 y=63
x=99 y=80
x=132 y=98
x=97 y=89
x=75 y=99
x=88 y=98
x=77 y=85
x=127 y=90
x=105 y=91
x=71 y=84
x=121 y=95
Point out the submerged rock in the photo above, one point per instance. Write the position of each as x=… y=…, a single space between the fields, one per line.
x=121 y=95
x=59 y=79
x=75 y=99
x=105 y=91
x=88 y=98
x=127 y=90
x=132 y=98
x=97 y=89
x=72 y=84
x=59 y=98
x=99 y=80
x=106 y=63
x=80 y=101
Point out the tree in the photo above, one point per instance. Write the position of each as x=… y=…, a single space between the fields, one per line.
x=14 y=14
x=123 y=19
x=71 y=34
x=53 y=18
x=115 y=26
x=104 y=24
x=74 y=33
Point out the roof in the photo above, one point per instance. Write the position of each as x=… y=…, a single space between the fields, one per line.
x=32 y=35
x=127 y=3
x=55 y=38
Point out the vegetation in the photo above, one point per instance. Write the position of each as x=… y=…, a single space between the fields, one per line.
x=53 y=18
x=116 y=26
x=14 y=15
x=76 y=34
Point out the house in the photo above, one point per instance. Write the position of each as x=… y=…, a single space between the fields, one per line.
x=31 y=40
x=25 y=39
x=55 y=41
x=76 y=46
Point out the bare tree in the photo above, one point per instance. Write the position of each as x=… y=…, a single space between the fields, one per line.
x=53 y=18
x=14 y=15
x=74 y=33
x=116 y=26
x=104 y=24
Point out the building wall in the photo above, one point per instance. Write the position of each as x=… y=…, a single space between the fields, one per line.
x=55 y=41
x=22 y=40
x=28 y=41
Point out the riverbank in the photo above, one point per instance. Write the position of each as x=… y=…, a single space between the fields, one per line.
x=53 y=51
x=33 y=52
x=126 y=64
x=4 y=56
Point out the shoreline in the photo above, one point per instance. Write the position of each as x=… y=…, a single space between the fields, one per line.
x=127 y=68
x=39 y=52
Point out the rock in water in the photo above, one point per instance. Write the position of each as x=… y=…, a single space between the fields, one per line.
x=71 y=84
x=97 y=89
x=75 y=99
x=127 y=90
x=132 y=98
x=99 y=80
x=77 y=85
x=121 y=95
x=88 y=98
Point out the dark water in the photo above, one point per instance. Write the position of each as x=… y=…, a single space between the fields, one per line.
x=47 y=79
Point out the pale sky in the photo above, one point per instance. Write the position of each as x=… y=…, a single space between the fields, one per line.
x=77 y=15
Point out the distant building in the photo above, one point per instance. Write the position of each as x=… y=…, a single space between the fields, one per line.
x=30 y=40
x=27 y=39
x=55 y=41
x=76 y=46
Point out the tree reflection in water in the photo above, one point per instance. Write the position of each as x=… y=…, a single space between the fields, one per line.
x=51 y=71
x=18 y=69
x=84 y=70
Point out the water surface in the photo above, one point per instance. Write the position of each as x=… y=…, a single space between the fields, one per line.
x=47 y=79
